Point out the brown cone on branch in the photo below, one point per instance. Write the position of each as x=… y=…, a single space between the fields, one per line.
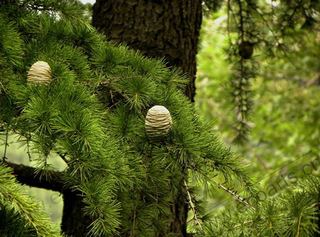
x=158 y=122
x=246 y=49
x=39 y=73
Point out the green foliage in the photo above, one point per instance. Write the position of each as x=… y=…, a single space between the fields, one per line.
x=294 y=213
x=92 y=116
x=12 y=224
x=19 y=210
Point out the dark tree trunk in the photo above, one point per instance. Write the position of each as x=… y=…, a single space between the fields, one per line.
x=157 y=28
x=179 y=209
x=74 y=222
x=28 y=175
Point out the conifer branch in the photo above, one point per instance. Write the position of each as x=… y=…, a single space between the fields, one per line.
x=274 y=35
x=234 y=193
x=242 y=73
x=192 y=205
x=32 y=211
x=27 y=175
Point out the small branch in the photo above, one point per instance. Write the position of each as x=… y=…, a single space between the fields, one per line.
x=233 y=17
x=275 y=36
x=233 y=193
x=63 y=157
x=299 y=224
x=6 y=144
x=241 y=20
x=192 y=205
x=28 y=150
x=228 y=22
x=27 y=175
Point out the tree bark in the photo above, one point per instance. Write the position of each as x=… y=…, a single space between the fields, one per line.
x=74 y=222
x=157 y=28
x=27 y=175
x=179 y=209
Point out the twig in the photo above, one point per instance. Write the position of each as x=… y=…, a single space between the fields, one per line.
x=241 y=20
x=28 y=150
x=192 y=205
x=228 y=21
x=274 y=35
x=299 y=225
x=63 y=157
x=234 y=193
x=6 y=144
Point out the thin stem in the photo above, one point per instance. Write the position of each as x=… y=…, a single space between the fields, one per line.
x=231 y=16
x=228 y=22
x=241 y=20
x=63 y=157
x=192 y=205
x=6 y=144
x=28 y=139
x=275 y=36
x=28 y=150
x=233 y=193
x=299 y=224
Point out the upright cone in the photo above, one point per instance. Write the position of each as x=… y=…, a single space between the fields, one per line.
x=158 y=122
x=39 y=73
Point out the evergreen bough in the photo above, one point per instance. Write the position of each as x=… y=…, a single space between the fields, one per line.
x=92 y=116
x=294 y=212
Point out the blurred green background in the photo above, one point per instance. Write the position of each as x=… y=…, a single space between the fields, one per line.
x=285 y=119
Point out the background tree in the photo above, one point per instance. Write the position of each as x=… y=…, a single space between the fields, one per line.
x=282 y=147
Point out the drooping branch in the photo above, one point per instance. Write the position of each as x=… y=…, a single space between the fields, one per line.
x=27 y=175
x=244 y=68
x=192 y=206
x=235 y=195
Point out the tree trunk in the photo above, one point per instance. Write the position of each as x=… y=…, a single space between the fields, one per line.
x=179 y=211
x=157 y=28
x=74 y=222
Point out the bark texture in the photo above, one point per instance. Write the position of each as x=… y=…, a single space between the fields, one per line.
x=179 y=209
x=74 y=222
x=28 y=175
x=157 y=28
